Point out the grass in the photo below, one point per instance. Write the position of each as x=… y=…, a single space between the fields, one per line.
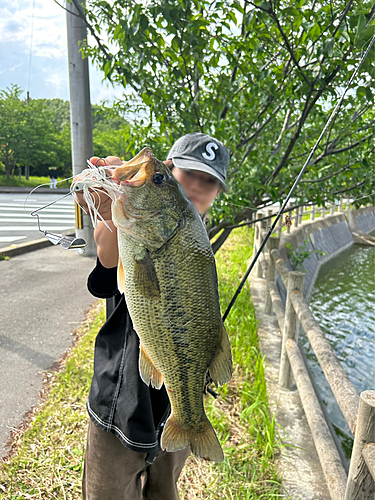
x=47 y=458
x=240 y=416
x=32 y=182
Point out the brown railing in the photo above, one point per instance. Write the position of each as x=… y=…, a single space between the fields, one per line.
x=358 y=410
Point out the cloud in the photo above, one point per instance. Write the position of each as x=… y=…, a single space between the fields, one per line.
x=49 y=59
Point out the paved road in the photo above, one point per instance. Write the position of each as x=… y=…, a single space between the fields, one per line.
x=16 y=224
x=43 y=298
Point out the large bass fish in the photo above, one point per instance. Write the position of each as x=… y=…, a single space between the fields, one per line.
x=167 y=271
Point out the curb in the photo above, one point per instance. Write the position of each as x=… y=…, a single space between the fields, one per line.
x=28 y=246
x=44 y=190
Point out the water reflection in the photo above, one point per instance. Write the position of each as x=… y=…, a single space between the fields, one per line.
x=343 y=304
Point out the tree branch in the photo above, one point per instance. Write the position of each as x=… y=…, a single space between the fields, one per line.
x=188 y=75
x=292 y=142
x=327 y=177
x=234 y=72
x=257 y=132
x=289 y=48
x=277 y=146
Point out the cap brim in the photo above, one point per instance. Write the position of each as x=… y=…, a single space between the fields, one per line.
x=202 y=167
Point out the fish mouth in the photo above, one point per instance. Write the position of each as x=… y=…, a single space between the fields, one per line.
x=135 y=172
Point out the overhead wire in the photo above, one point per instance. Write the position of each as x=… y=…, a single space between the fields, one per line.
x=31 y=48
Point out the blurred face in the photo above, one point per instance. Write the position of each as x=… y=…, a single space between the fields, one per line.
x=201 y=188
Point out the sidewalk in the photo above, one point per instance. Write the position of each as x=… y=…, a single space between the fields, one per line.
x=43 y=299
x=43 y=190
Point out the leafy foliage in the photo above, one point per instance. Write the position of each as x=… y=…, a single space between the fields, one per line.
x=27 y=134
x=300 y=254
x=262 y=77
x=36 y=133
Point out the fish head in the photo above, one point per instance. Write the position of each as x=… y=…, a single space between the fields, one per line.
x=152 y=203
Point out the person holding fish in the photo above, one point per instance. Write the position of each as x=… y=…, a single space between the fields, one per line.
x=152 y=354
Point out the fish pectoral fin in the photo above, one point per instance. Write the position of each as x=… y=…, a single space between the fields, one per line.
x=145 y=277
x=221 y=367
x=147 y=370
x=120 y=276
x=202 y=439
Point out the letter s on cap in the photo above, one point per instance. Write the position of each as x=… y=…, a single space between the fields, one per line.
x=210 y=155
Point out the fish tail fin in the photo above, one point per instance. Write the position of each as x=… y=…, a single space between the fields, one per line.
x=202 y=441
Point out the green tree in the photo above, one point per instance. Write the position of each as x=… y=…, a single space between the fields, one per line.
x=28 y=134
x=12 y=115
x=261 y=76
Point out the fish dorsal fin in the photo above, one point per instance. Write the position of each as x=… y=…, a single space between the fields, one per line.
x=148 y=372
x=120 y=276
x=145 y=277
x=221 y=367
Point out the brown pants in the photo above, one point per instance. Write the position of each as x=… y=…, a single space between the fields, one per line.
x=113 y=472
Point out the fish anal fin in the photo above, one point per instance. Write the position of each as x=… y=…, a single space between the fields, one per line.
x=145 y=277
x=203 y=441
x=120 y=276
x=221 y=367
x=148 y=372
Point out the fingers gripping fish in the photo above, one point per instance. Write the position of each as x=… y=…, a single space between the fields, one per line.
x=167 y=271
x=95 y=179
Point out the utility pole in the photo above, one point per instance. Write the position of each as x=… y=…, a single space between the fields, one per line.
x=80 y=113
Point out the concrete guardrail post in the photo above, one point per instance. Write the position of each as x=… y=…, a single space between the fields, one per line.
x=312 y=215
x=258 y=266
x=323 y=211
x=332 y=209
x=295 y=283
x=290 y=218
x=296 y=217
x=280 y=226
x=271 y=272
x=360 y=485
x=368 y=454
x=262 y=235
x=340 y=205
x=258 y=215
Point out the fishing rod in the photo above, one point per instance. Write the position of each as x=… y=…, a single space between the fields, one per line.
x=282 y=209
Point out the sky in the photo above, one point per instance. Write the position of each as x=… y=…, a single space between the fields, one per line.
x=49 y=57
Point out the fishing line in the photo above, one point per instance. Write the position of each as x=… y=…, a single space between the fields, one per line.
x=57 y=239
x=281 y=211
x=31 y=47
x=46 y=184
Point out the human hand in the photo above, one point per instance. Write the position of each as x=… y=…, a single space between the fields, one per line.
x=103 y=202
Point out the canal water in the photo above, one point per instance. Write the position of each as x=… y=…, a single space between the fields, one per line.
x=343 y=303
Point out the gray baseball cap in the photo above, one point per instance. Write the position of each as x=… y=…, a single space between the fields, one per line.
x=199 y=151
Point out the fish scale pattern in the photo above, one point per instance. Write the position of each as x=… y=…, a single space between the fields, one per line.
x=170 y=284
x=180 y=329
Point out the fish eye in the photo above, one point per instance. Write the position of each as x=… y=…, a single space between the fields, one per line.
x=78 y=186
x=158 y=178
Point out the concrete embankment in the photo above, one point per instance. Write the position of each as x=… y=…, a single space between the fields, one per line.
x=331 y=235
x=298 y=462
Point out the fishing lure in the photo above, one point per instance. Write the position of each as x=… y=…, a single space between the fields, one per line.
x=96 y=180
